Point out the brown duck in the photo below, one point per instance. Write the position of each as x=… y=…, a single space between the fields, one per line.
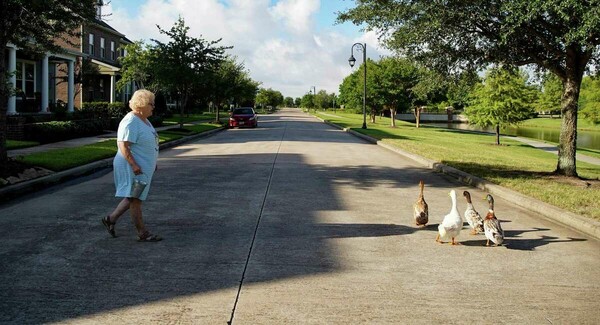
x=421 y=211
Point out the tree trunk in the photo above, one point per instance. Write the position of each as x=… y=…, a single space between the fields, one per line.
x=3 y=106
x=393 y=116
x=417 y=115
x=498 y=134
x=568 y=131
x=182 y=103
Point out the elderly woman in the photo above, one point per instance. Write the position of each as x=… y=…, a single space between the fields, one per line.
x=137 y=142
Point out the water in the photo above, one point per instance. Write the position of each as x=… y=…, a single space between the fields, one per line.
x=585 y=139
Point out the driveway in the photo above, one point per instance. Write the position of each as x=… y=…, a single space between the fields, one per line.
x=292 y=222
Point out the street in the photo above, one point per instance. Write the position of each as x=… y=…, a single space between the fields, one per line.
x=292 y=222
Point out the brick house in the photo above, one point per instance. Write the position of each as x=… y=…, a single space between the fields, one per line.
x=43 y=83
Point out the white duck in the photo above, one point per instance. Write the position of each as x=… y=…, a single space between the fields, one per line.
x=491 y=225
x=452 y=223
x=472 y=216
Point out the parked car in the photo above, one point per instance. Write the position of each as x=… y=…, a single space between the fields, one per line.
x=243 y=116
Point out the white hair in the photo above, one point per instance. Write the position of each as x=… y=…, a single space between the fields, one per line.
x=141 y=98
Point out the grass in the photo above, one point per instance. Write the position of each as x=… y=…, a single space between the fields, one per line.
x=513 y=164
x=62 y=159
x=14 y=144
x=175 y=119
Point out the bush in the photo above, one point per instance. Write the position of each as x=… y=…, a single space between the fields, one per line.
x=54 y=131
x=103 y=110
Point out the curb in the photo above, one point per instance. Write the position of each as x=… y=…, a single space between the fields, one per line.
x=12 y=191
x=550 y=212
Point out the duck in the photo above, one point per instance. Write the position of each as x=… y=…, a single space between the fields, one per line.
x=472 y=216
x=491 y=225
x=452 y=223
x=421 y=210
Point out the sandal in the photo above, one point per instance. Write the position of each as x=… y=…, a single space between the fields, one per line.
x=148 y=237
x=110 y=226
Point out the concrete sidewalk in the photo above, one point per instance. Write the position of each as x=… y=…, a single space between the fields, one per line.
x=553 y=149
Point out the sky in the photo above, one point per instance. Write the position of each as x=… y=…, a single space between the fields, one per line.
x=287 y=45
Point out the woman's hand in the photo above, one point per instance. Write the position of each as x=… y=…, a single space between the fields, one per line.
x=136 y=169
x=124 y=147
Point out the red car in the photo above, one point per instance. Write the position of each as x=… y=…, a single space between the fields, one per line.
x=243 y=116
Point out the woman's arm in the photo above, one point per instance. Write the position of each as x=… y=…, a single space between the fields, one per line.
x=125 y=149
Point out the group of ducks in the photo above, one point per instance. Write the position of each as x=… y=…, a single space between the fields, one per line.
x=452 y=224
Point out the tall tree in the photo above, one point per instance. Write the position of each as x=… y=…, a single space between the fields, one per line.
x=551 y=92
x=396 y=79
x=590 y=99
x=231 y=83
x=561 y=36
x=33 y=26
x=502 y=100
x=269 y=98
x=288 y=101
x=185 y=62
x=137 y=66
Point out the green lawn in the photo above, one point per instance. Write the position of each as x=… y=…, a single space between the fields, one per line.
x=513 y=164
x=206 y=116
x=14 y=144
x=62 y=159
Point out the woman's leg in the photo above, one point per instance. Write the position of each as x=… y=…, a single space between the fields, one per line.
x=119 y=210
x=135 y=209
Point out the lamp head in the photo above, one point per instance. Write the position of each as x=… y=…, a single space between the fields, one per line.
x=351 y=60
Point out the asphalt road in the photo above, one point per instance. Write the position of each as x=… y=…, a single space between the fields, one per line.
x=294 y=222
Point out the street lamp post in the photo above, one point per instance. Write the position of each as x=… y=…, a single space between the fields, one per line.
x=352 y=61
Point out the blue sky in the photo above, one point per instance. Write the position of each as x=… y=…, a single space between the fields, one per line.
x=288 y=45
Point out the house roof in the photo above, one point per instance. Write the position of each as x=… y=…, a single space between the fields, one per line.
x=104 y=25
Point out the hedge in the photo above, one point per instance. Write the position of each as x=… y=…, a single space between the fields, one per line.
x=54 y=131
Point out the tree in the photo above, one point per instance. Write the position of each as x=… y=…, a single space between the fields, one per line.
x=349 y=97
x=396 y=79
x=288 y=102
x=137 y=66
x=321 y=99
x=549 y=97
x=33 y=26
x=185 y=62
x=307 y=101
x=352 y=90
x=231 y=83
x=590 y=99
x=269 y=97
x=562 y=37
x=298 y=102
x=503 y=99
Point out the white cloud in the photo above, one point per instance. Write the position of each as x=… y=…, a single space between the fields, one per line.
x=296 y=15
x=279 y=44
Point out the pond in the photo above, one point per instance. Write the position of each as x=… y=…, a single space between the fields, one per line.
x=585 y=139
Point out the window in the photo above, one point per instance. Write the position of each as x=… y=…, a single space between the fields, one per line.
x=102 y=50
x=112 y=50
x=91 y=44
x=25 y=75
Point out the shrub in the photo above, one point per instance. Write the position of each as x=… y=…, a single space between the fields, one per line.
x=54 y=131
